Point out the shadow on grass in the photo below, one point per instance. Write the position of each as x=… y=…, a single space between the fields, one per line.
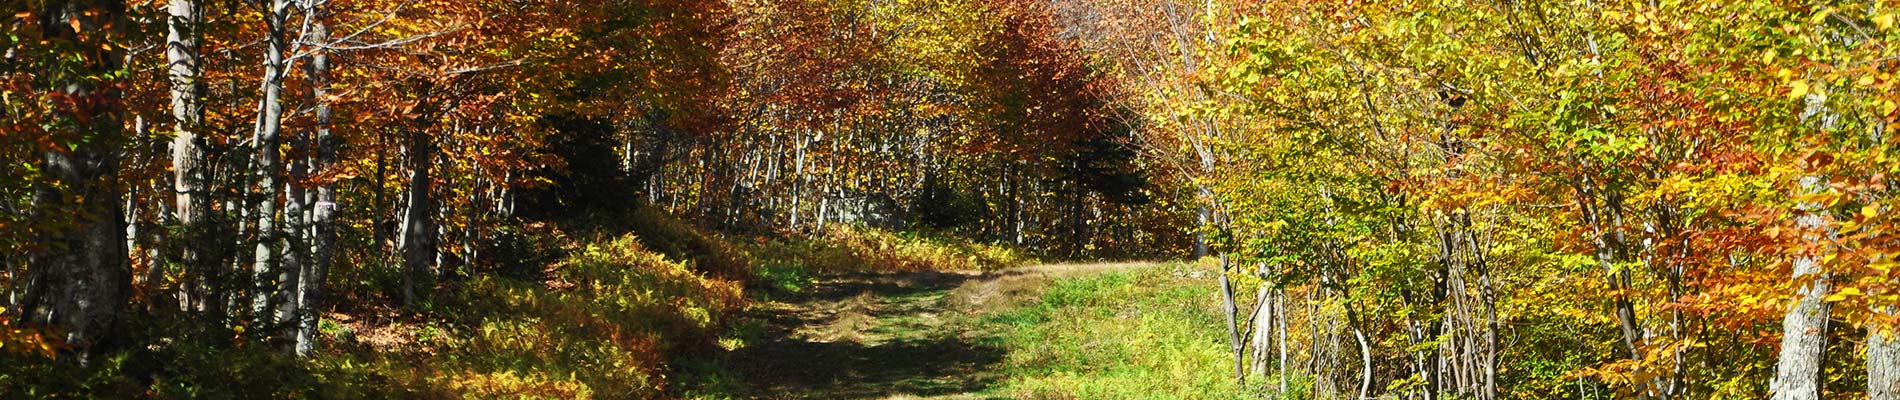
x=850 y=370
x=849 y=360
x=891 y=284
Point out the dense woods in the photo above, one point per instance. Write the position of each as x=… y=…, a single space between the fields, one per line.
x=1507 y=200
x=1430 y=199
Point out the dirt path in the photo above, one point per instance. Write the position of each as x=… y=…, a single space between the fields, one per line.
x=897 y=335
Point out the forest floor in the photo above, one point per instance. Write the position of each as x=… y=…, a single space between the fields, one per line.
x=891 y=335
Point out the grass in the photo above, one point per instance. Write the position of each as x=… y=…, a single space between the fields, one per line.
x=1147 y=333
x=1141 y=334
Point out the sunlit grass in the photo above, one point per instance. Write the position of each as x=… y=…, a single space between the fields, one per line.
x=1143 y=334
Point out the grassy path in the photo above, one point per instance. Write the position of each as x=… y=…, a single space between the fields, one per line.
x=897 y=335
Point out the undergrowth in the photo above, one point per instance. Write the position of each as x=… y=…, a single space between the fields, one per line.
x=613 y=305
x=847 y=249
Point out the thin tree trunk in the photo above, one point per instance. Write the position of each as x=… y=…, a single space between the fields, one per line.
x=1279 y=306
x=1233 y=328
x=1609 y=248
x=188 y=155
x=273 y=284
x=798 y=176
x=323 y=210
x=1365 y=362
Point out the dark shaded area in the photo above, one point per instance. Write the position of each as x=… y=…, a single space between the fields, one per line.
x=589 y=176
x=850 y=370
x=1107 y=165
x=784 y=365
x=944 y=207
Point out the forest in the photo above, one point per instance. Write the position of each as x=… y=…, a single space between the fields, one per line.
x=957 y=199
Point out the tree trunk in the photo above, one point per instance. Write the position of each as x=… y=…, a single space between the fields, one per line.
x=1262 y=336
x=1804 y=328
x=798 y=176
x=1883 y=361
x=188 y=156
x=273 y=283
x=1602 y=213
x=1365 y=362
x=1279 y=306
x=1233 y=329
x=1201 y=219
x=323 y=210
x=418 y=230
x=80 y=277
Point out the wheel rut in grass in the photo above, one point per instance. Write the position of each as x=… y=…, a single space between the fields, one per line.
x=890 y=335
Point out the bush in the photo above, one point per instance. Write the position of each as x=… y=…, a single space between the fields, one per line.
x=605 y=324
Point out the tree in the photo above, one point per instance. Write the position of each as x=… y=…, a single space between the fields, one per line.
x=77 y=271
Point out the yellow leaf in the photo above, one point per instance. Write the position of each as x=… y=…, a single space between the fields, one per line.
x=1870 y=211
x=1884 y=21
x=1798 y=89
x=1850 y=291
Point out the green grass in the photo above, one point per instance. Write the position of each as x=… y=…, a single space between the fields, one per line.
x=1144 y=334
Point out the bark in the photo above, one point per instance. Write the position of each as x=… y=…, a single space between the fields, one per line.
x=1365 y=362
x=1883 y=361
x=295 y=256
x=273 y=283
x=418 y=230
x=1602 y=213
x=80 y=277
x=1203 y=217
x=193 y=204
x=798 y=176
x=1279 y=306
x=323 y=209
x=1804 y=327
x=1233 y=328
x=1262 y=335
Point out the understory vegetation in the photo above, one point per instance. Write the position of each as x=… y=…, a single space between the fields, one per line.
x=608 y=308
